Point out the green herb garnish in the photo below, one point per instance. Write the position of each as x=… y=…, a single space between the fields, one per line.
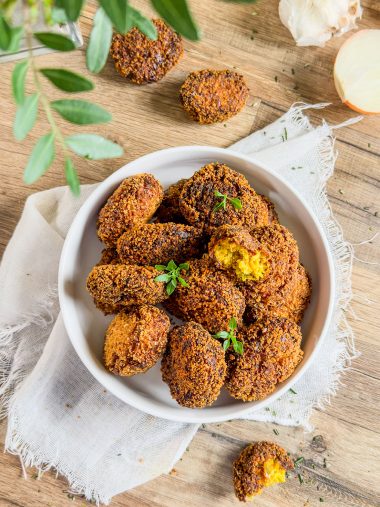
x=235 y=201
x=229 y=337
x=298 y=461
x=300 y=478
x=276 y=432
x=172 y=275
x=292 y=391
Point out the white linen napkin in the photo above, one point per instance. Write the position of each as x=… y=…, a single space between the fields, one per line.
x=58 y=415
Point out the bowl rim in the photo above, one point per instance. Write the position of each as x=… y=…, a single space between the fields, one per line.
x=172 y=413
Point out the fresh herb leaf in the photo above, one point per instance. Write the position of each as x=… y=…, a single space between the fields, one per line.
x=160 y=267
x=236 y=203
x=218 y=194
x=40 y=159
x=238 y=348
x=16 y=34
x=300 y=478
x=292 y=391
x=5 y=34
x=93 y=147
x=163 y=278
x=18 y=81
x=26 y=116
x=299 y=460
x=170 y=288
x=80 y=112
x=55 y=41
x=171 y=266
x=67 y=81
x=222 y=334
x=182 y=282
x=172 y=275
x=144 y=24
x=100 y=42
x=226 y=344
x=276 y=432
x=72 y=177
x=229 y=336
x=72 y=8
x=232 y=323
x=185 y=266
x=177 y=14
x=117 y=11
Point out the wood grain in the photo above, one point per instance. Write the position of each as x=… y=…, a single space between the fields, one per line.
x=342 y=454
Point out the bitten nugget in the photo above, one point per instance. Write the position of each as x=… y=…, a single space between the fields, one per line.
x=151 y=244
x=143 y=60
x=168 y=210
x=272 y=351
x=259 y=465
x=233 y=249
x=193 y=366
x=198 y=199
x=210 y=96
x=135 y=340
x=121 y=285
x=210 y=299
x=134 y=202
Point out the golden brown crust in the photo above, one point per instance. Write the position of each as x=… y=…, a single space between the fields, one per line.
x=143 y=60
x=135 y=340
x=122 y=285
x=272 y=213
x=193 y=366
x=248 y=468
x=272 y=351
x=168 y=210
x=109 y=256
x=134 y=202
x=151 y=244
x=198 y=200
x=210 y=299
x=210 y=96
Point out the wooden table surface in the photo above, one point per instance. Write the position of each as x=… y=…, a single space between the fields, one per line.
x=342 y=465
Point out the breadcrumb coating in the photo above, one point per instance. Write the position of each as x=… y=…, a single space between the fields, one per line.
x=198 y=200
x=169 y=210
x=210 y=299
x=151 y=244
x=272 y=213
x=232 y=248
x=134 y=202
x=211 y=96
x=143 y=60
x=109 y=256
x=135 y=340
x=123 y=285
x=193 y=366
x=272 y=351
x=259 y=465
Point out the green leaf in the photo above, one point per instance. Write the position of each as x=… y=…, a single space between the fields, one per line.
x=117 y=11
x=172 y=265
x=144 y=24
x=67 y=81
x=80 y=112
x=238 y=348
x=222 y=334
x=58 y=16
x=226 y=344
x=5 y=34
x=163 y=278
x=72 y=8
x=26 y=116
x=182 y=282
x=184 y=266
x=232 y=323
x=93 y=147
x=55 y=41
x=170 y=288
x=99 y=43
x=177 y=14
x=236 y=203
x=160 y=267
x=241 y=1
x=16 y=34
x=218 y=194
x=41 y=158
x=72 y=177
x=18 y=81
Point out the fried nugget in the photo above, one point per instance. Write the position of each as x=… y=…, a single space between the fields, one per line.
x=109 y=256
x=193 y=366
x=143 y=60
x=134 y=202
x=168 y=210
x=290 y=301
x=151 y=244
x=259 y=465
x=135 y=340
x=210 y=299
x=121 y=285
x=198 y=199
x=272 y=351
x=272 y=213
x=232 y=248
x=211 y=96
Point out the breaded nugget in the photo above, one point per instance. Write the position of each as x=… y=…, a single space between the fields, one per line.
x=151 y=244
x=272 y=214
x=198 y=200
x=232 y=248
x=210 y=96
x=122 y=285
x=143 y=60
x=290 y=301
x=109 y=256
x=193 y=366
x=259 y=465
x=135 y=340
x=272 y=351
x=134 y=202
x=210 y=299
x=168 y=210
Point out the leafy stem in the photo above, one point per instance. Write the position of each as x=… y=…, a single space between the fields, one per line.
x=230 y=337
x=235 y=201
x=172 y=275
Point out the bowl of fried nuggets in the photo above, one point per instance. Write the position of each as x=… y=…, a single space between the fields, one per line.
x=196 y=285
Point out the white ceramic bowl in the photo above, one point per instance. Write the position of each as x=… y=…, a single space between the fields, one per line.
x=86 y=325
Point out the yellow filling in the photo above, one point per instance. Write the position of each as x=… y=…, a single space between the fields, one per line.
x=246 y=266
x=273 y=473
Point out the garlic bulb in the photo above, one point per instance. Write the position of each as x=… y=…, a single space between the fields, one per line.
x=313 y=22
